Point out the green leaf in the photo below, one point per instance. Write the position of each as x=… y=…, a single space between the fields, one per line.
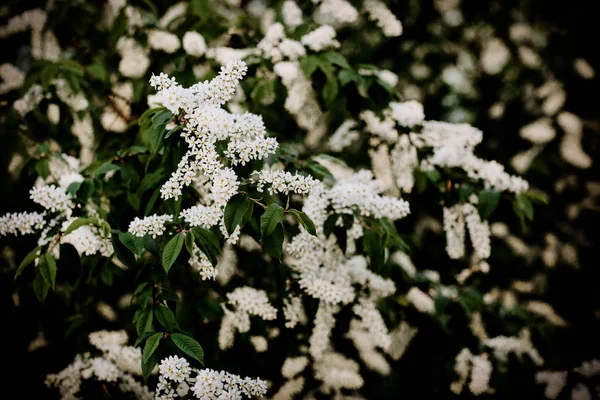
x=165 y=316
x=151 y=180
x=208 y=243
x=134 y=243
x=148 y=361
x=189 y=346
x=523 y=207
x=106 y=274
x=287 y=153
x=47 y=266
x=272 y=216
x=189 y=242
x=331 y=158
x=330 y=91
x=373 y=245
x=40 y=287
x=536 y=197
x=151 y=202
x=47 y=74
x=80 y=222
x=318 y=171
x=235 y=210
x=172 y=250
x=309 y=64
x=73 y=188
x=488 y=201
x=273 y=243
x=29 y=258
x=304 y=220
x=336 y=58
x=201 y=8
x=140 y=288
x=330 y=224
x=173 y=131
x=86 y=190
x=107 y=167
x=346 y=76
x=465 y=191
x=144 y=321
x=471 y=300
x=143 y=338
x=159 y=123
x=42 y=168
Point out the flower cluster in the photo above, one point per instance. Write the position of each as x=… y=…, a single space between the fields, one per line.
x=152 y=225
x=284 y=182
x=118 y=365
x=205 y=383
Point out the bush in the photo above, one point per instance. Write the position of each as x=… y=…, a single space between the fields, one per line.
x=244 y=199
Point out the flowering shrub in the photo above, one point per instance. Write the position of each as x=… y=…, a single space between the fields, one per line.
x=235 y=200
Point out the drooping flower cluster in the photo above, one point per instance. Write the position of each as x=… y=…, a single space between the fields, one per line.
x=205 y=124
x=177 y=379
x=118 y=365
x=247 y=301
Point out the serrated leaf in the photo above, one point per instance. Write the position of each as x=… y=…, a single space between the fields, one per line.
x=79 y=222
x=208 y=244
x=172 y=250
x=29 y=258
x=189 y=346
x=40 y=287
x=148 y=361
x=304 y=220
x=272 y=217
x=273 y=243
x=134 y=243
x=235 y=210
x=488 y=201
x=165 y=316
x=47 y=267
x=144 y=321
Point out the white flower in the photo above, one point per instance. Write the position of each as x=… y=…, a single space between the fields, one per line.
x=151 y=225
x=175 y=368
x=420 y=300
x=378 y=12
x=320 y=39
x=194 y=44
x=292 y=14
x=162 y=40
